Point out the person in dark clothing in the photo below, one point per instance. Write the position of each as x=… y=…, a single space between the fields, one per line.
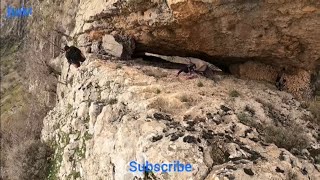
x=74 y=55
x=189 y=68
x=281 y=81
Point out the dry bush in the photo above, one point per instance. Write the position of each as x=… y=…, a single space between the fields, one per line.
x=188 y=99
x=118 y=66
x=292 y=175
x=112 y=101
x=246 y=119
x=200 y=84
x=166 y=105
x=217 y=154
x=151 y=89
x=185 y=98
x=161 y=104
x=286 y=137
x=289 y=137
x=155 y=73
x=28 y=160
x=23 y=156
x=234 y=93
x=314 y=107
x=20 y=136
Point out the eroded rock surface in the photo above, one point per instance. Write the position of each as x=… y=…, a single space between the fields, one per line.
x=285 y=33
x=111 y=114
x=269 y=34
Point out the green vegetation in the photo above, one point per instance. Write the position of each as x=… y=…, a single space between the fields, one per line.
x=217 y=154
x=87 y=136
x=200 y=84
x=81 y=152
x=288 y=138
x=234 y=93
x=69 y=108
x=23 y=155
x=155 y=73
x=314 y=107
x=55 y=164
x=87 y=119
x=185 y=98
x=118 y=66
x=317 y=159
x=112 y=101
x=12 y=92
x=246 y=119
x=13 y=98
x=74 y=175
x=65 y=139
x=292 y=175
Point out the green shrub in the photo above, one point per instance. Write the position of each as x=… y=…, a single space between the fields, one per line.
x=118 y=66
x=112 y=101
x=234 y=93
x=155 y=73
x=200 y=84
x=288 y=137
x=217 y=154
x=314 y=107
x=244 y=118
x=248 y=120
x=28 y=160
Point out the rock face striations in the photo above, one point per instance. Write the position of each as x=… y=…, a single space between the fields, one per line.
x=284 y=33
x=227 y=33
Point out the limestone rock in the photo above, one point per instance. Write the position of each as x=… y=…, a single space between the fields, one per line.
x=118 y=46
x=108 y=117
x=222 y=33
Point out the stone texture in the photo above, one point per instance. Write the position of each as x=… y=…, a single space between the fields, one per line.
x=264 y=31
x=118 y=46
x=298 y=80
x=105 y=113
x=110 y=116
x=274 y=33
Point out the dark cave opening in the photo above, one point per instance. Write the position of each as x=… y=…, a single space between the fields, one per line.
x=221 y=62
x=157 y=62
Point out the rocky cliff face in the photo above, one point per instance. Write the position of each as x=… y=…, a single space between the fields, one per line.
x=285 y=33
x=109 y=114
x=273 y=33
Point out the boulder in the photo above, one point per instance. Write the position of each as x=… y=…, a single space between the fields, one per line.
x=118 y=46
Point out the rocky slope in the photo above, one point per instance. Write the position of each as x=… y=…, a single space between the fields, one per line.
x=108 y=114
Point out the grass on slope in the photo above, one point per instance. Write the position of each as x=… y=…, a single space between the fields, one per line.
x=23 y=155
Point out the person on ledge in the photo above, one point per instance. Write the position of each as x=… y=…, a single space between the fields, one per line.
x=74 y=56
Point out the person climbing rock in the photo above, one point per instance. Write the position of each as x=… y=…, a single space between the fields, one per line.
x=281 y=80
x=189 y=68
x=74 y=55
